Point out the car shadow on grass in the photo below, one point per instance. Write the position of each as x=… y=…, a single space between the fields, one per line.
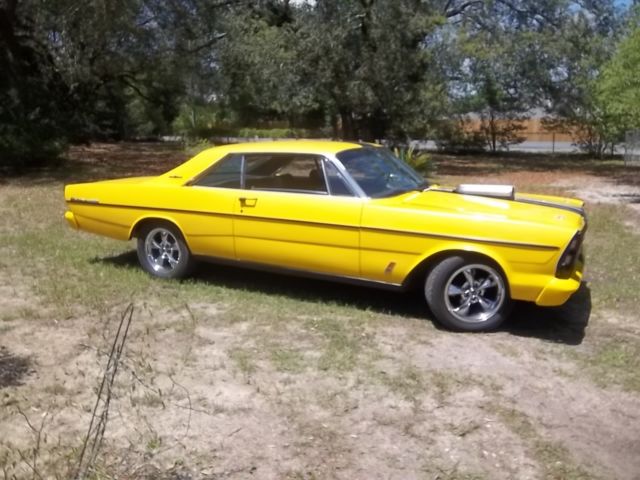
x=295 y=287
x=565 y=324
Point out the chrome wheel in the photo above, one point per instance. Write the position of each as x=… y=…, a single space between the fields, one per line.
x=474 y=293
x=162 y=251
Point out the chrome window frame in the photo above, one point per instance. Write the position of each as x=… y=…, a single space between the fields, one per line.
x=349 y=181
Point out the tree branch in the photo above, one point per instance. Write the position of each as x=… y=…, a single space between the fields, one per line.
x=532 y=12
x=460 y=9
x=208 y=44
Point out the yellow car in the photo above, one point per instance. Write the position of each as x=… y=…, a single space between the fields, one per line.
x=348 y=211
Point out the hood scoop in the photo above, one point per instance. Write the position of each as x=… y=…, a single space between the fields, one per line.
x=508 y=192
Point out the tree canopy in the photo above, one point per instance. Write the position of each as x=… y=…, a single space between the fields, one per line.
x=75 y=70
x=618 y=87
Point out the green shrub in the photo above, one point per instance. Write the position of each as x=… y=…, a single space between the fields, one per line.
x=420 y=161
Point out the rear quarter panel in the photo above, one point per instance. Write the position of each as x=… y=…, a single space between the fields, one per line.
x=113 y=209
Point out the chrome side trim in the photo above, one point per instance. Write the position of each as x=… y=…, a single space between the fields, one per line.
x=544 y=203
x=313 y=244
x=469 y=239
x=91 y=201
x=517 y=199
x=159 y=209
x=301 y=273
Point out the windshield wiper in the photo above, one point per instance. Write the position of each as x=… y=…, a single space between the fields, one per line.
x=421 y=187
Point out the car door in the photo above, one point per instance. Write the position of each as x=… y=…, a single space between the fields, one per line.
x=210 y=200
x=296 y=212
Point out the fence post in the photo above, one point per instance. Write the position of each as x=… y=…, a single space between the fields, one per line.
x=632 y=148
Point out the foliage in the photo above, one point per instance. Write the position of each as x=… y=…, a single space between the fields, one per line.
x=618 y=87
x=359 y=69
x=583 y=41
x=420 y=161
x=195 y=146
x=364 y=76
x=197 y=121
x=454 y=136
x=271 y=133
x=261 y=72
x=32 y=94
x=492 y=84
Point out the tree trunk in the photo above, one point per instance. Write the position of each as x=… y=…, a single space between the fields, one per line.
x=348 y=126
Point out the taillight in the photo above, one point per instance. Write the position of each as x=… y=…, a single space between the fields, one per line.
x=569 y=257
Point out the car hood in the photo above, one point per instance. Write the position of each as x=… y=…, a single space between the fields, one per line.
x=524 y=208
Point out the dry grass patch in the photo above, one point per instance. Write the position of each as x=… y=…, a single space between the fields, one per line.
x=237 y=374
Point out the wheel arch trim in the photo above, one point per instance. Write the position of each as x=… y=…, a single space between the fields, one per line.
x=427 y=262
x=141 y=221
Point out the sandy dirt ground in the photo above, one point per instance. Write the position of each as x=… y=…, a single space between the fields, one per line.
x=207 y=392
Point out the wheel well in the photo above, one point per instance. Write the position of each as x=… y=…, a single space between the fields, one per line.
x=417 y=276
x=138 y=227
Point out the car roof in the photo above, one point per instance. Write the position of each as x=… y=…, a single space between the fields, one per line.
x=290 y=146
x=205 y=158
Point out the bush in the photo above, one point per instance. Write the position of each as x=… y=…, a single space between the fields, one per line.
x=452 y=136
x=420 y=161
x=23 y=148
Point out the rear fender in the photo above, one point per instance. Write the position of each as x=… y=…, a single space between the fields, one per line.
x=145 y=220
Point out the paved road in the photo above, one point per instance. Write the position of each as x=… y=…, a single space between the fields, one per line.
x=528 y=146
x=536 y=147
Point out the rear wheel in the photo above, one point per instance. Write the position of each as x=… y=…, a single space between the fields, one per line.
x=467 y=294
x=162 y=251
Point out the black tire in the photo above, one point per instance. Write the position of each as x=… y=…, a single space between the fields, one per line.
x=162 y=251
x=467 y=294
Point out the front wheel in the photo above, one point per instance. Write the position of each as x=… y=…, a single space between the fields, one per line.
x=467 y=294
x=162 y=251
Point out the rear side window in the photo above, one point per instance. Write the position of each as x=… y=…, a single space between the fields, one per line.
x=284 y=172
x=224 y=174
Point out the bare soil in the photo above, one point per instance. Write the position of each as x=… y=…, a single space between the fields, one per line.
x=370 y=389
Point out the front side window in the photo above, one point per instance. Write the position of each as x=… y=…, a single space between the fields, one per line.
x=379 y=173
x=337 y=184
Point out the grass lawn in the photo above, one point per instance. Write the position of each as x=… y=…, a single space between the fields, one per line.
x=237 y=374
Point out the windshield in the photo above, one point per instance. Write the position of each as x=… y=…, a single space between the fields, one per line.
x=379 y=173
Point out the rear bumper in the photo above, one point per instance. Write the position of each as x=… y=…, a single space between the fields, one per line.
x=71 y=220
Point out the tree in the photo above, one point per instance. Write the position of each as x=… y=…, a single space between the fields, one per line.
x=578 y=44
x=366 y=67
x=265 y=76
x=119 y=61
x=618 y=87
x=379 y=73
x=34 y=99
x=491 y=81
x=512 y=57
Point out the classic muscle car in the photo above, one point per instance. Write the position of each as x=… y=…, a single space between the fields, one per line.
x=349 y=211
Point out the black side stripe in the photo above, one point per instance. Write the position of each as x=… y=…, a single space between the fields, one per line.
x=489 y=241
